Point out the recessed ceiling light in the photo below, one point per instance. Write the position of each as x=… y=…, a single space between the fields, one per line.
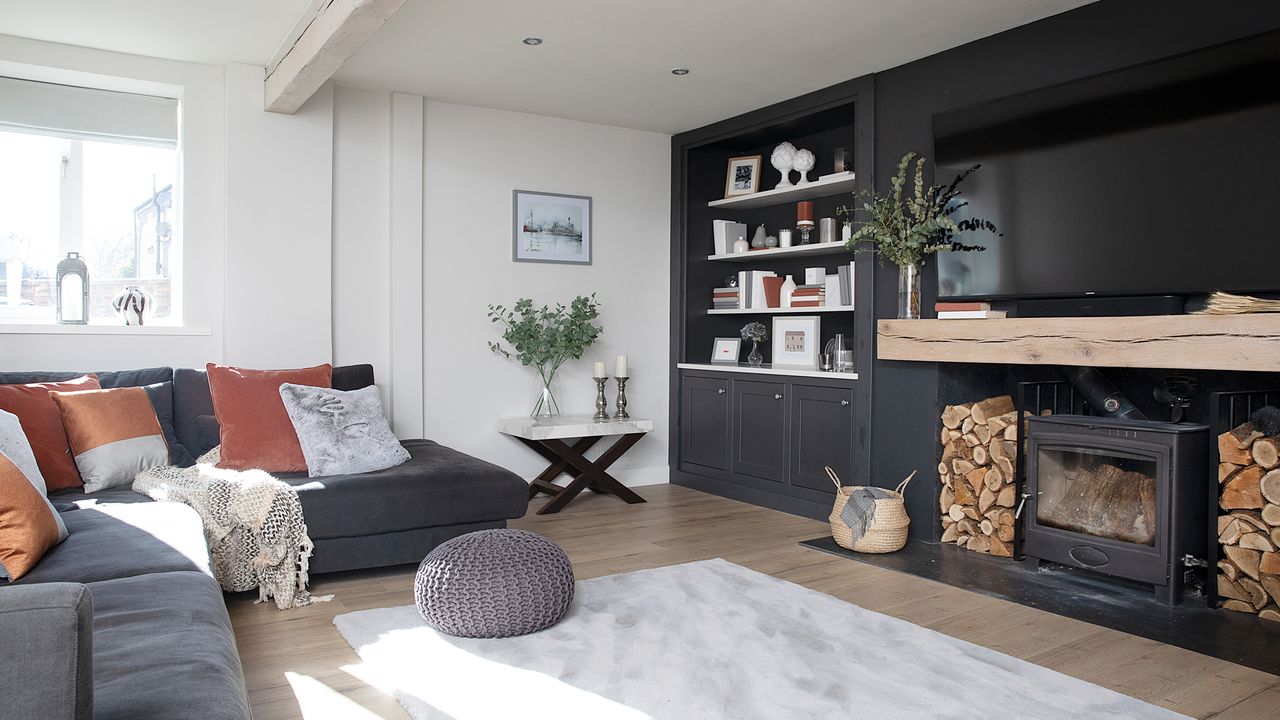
x=532 y=41
x=680 y=71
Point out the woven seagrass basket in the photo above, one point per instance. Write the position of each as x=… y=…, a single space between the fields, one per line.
x=888 y=530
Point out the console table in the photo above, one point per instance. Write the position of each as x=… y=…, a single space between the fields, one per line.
x=548 y=437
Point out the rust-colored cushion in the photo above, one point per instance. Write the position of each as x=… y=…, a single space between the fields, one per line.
x=114 y=435
x=27 y=526
x=42 y=423
x=256 y=430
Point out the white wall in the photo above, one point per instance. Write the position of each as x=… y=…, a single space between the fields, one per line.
x=473 y=159
x=279 y=228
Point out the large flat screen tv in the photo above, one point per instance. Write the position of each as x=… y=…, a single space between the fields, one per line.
x=1160 y=179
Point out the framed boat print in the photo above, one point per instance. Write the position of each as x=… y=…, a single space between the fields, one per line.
x=551 y=228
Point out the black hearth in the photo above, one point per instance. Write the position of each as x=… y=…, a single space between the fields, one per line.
x=1121 y=497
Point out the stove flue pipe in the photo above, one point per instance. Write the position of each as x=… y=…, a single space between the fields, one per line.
x=1102 y=394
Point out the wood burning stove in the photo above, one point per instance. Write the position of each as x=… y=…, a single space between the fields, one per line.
x=1117 y=496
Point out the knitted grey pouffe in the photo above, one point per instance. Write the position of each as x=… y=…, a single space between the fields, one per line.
x=494 y=583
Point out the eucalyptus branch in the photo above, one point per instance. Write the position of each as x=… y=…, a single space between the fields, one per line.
x=906 y=230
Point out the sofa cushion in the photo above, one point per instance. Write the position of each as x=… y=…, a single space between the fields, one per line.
x=114 y=435
x=437 y=486
x=123 y=540
x=42 y=424
x=161 y=396
x=256 y=431
x=193 y=418
x=28 y=527
x=14 y=445
x=108 y=379
x=163 y=648
x=341 y=431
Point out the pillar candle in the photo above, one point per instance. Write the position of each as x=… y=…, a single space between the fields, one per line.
x=621 y=369
x=599 y=370
x=804 y=213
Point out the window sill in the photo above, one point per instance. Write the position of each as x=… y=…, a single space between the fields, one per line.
x=35 y=329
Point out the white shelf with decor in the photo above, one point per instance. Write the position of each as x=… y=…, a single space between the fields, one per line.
x=769 y=370
x=781 y=311
x=827 y=248
x=836 y=184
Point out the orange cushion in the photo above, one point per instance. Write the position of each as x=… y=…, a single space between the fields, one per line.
x=256 y=430
x=27 y=526
x=114 y=435
x=42 y=423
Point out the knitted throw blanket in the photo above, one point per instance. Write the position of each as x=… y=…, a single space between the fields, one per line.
x=253 y=523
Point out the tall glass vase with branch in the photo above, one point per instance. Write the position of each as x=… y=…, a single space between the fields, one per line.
x=905 y=229
x=545 y=338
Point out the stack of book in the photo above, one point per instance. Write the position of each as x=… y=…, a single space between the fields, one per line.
x=751 y=283
x=808 y=296
x=967 y=311
x=725 y=298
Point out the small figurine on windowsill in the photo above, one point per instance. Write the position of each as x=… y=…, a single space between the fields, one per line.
x=132 y=304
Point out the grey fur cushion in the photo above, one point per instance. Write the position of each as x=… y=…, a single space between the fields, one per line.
x=341 y=432
x=493 y=584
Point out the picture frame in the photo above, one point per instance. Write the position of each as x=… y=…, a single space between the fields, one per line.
x=742 y=176
x=796 y=341
x=726 y=350
x=550 y=228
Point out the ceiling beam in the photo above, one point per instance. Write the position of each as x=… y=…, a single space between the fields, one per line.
x=338 y=29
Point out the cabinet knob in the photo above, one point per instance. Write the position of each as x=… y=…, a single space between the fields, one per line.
x=777 y=396
x=844 y=403
x=719 y=391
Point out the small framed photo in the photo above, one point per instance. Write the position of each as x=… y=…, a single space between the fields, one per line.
x=551 y=228
x=795 y=342
x=743 y=176
x=726 y=350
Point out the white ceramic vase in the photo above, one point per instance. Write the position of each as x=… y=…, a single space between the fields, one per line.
x=788 y=289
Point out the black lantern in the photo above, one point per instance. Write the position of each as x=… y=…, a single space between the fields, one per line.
x=73 y=291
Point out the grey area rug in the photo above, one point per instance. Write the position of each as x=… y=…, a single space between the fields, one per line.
x=712 y=639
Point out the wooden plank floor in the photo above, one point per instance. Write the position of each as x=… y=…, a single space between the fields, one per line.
x=298 y=666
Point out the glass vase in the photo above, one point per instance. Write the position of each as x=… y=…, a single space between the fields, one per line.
x=545 y=405
x=755 y=357
x=909 y=292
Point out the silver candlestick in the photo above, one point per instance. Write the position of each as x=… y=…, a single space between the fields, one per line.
x=601 y=405
x=622 y=399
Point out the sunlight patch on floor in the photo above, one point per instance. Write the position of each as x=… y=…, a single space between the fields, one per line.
x=461 y=685
x=318 y=701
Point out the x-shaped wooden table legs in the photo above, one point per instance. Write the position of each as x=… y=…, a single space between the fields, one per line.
x=585 y=473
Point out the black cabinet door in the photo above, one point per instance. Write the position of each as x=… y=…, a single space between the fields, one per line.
x=704 y=421
x=821 y=435
x=760 y=424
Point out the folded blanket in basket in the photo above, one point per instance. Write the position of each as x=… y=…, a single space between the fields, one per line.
x=860 y=510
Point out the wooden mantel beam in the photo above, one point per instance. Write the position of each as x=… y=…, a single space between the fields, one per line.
x=1248 y=343
x=338 y=29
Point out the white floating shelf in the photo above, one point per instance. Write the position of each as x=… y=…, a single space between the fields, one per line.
x=767 y=370
x=832 y=185
x=830 y=248
x=781 y=311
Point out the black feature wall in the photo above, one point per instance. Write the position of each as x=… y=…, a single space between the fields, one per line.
x=1097 y=38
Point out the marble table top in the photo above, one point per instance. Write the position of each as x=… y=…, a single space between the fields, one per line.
x=570 y=426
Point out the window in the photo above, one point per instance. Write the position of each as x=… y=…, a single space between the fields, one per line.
x=91 y=172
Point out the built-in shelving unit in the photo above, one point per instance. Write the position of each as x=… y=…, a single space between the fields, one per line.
x=832 y=185
x=781 y=311
x=762 y=434
x=770 y=370
x=829 y=248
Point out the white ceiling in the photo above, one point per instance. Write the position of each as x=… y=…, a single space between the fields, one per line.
x=203 y=31
x=609 y=61
x=604 y=61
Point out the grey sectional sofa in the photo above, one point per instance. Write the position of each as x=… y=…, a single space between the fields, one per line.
x=124 y=618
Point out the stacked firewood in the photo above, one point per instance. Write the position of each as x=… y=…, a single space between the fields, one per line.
x=1249 y=521
x=979 y=454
